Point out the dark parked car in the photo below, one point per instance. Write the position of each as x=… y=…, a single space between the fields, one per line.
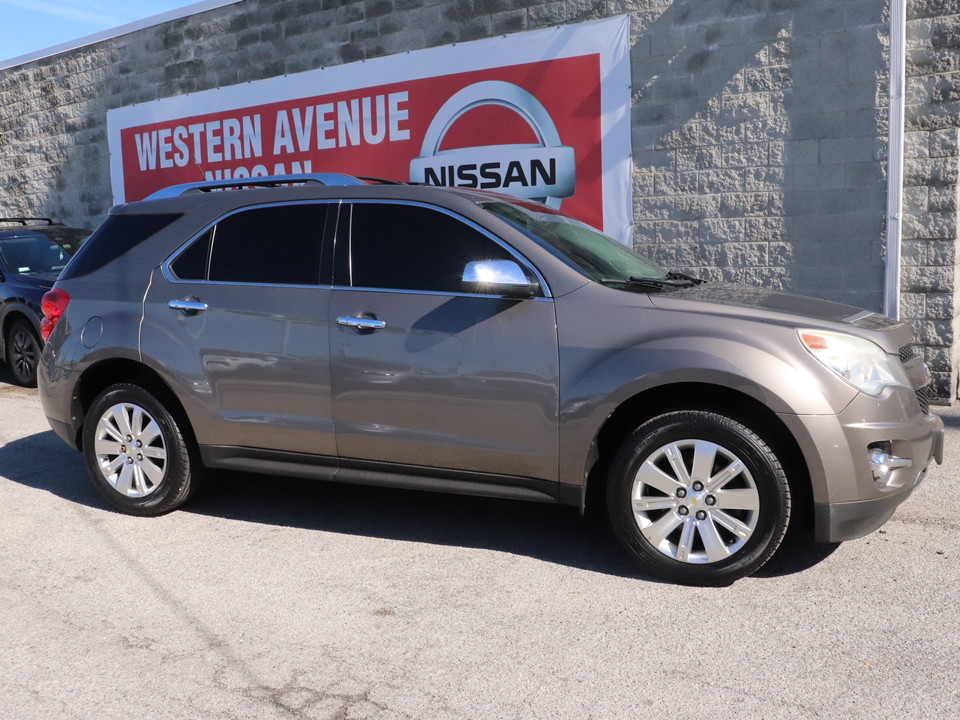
x=449 y=340
x=33 y=251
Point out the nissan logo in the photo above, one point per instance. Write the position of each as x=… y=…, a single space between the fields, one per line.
x=545 y=171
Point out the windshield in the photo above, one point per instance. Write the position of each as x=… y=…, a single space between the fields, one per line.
x=30 y=252
x=597 y=256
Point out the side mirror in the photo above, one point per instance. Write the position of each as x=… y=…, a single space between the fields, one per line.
x=498 y=277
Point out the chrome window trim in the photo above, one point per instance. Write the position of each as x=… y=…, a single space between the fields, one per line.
x=435 y=292
x=456 y=216
x=169 y=275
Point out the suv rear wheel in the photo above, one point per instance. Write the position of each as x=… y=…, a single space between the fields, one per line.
x=23 y=353
x=136 y=452
x=698 y=498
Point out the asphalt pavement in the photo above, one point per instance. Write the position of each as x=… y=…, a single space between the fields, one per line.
x=269 y=597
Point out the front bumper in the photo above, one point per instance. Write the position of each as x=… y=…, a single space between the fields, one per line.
x=848 y=501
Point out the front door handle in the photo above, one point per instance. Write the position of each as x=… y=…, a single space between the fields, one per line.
x=362 y=324
x=189 y=305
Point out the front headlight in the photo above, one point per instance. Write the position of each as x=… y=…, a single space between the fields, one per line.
x=860 y=362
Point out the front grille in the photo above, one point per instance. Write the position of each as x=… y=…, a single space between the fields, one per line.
x=908 y=352
x=923 y=395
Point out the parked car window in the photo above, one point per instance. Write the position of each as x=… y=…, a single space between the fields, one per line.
x=408 y=247
x=30 y=252
x=273 y=245
x=116 y=236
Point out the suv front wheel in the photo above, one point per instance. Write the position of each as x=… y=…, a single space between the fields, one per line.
x=698 y=498
x=136 y=452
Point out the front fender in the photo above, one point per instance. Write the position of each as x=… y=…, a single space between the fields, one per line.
x=641 y=347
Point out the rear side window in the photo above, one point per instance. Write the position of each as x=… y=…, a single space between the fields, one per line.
x=272 y=246
x=115 y=237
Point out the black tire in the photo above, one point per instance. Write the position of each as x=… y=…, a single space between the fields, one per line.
x=150 y=478
x=23 y=353
x=698 y=498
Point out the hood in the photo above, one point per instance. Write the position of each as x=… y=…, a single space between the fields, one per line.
x=770 y=305
x=40 y=280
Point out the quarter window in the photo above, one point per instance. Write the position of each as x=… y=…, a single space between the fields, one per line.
x=192 y=262
x=408 y=247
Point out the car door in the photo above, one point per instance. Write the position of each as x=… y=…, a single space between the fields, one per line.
x=238 y=321
x=425 y=374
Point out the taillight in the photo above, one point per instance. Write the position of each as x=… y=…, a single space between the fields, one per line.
x=54 y=304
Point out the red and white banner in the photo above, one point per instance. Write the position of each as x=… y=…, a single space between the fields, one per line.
x=543 y=115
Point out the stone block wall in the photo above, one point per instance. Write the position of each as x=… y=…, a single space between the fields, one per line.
x=758 y=141
x=759 y=126
x=929 y=277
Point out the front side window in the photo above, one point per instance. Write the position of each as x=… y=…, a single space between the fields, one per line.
x=270 y=245
x=408 y=247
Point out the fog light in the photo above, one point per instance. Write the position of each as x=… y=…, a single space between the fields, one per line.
x=882 y=462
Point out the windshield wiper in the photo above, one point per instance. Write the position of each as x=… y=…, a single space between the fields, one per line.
x=671 y=275
x=669 y=281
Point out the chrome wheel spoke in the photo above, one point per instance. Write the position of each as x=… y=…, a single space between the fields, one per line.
x=136 y=422
x=685 y=546
x=125 y=479
x=106 y=447
x=108 y=429
x=704 y=457
x=738 y=528
x=152 y=471
x=748 y=499
x=657 y=532
x=712 y=543
x=120 y=420
x=645 y=504
x=157 y=453
x=139 y=481
x=650 y=474
x=726 y=475
x=673 y=455
x=111 y=467
x=149 y=433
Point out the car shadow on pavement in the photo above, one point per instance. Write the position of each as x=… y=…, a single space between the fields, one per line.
x=44 y=462
x=6 y=376
x=552 y=533
x=547 y=532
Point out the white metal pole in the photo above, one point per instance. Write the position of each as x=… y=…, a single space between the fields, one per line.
x=898 y=44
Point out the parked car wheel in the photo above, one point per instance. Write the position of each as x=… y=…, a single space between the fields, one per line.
x=136 y=452
x=23 y=353
x=698 y=498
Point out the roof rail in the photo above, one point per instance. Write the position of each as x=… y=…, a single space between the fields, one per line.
x=370 y=180
x=24 y=220
x=268 y=182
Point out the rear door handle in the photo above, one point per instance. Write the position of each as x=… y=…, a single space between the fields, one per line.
x=363 y=324
x=189 y=306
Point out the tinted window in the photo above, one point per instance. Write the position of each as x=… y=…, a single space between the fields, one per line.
x=192 y=262
x=405 y=247
x=116 y=236
x=275 y=245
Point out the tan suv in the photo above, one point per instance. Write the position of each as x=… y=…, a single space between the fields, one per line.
x=474 y=343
